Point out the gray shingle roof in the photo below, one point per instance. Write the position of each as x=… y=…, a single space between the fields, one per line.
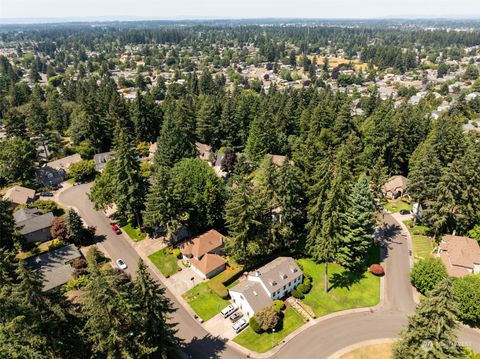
x=278 y=273
x=35 y=223
x=254 y=294
x=54 y=266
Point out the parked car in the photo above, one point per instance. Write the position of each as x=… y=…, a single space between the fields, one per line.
x=227 y=311
x=116 y=229
x=46 y=194
x=236 y=316
x=405 y=211
x=241 y=324
x=121 y=264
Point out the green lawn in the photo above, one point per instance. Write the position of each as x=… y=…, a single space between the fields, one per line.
x=344 y=293
x=204 y=301
x=260 y=343
x=397 y=206
x=422 y=247
x=165 y=262
x=134 y=233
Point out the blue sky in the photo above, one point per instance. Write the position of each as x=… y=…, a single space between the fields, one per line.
x=160 y=9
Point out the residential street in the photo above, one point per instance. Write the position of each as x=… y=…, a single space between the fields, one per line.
x=318 y=341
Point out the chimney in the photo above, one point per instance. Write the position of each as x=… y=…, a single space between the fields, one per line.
x=257 y=273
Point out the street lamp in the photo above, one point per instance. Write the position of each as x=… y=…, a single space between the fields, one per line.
x=273 y=336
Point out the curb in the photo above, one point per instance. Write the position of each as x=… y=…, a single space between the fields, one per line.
x=352 y=347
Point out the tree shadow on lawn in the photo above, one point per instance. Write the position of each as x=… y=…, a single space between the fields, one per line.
x=345 y=279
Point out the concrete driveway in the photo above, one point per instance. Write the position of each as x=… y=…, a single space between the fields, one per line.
x=182 y=281
x=220 y=326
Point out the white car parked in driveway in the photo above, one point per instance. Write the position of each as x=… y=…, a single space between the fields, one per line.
x=121 y=264
x=228 y=310
x=241 y=324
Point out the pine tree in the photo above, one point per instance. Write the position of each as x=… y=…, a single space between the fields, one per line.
x=176 y=140
x=290 y=197
x=6 y=225
x=207 y=121
x=74 y=224
x=161 y=208
x=247 y=222
x=431 y=331
x=357 y=226
x=152 y=314
x=130 y=186
x=261 y=138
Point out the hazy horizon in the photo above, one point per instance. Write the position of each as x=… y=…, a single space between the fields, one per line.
x=28 y=11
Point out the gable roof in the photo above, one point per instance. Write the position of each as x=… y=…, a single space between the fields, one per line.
x=64 y=162
x=202 y=244
x=101 y=159
x=459 y=254
x=208 y=263
x=395 y=183
x=277 y=273
x=19 y=195
x=54 y=266
x=24 y=214
x=254 y=294
x=49 y=176
x=35 y=223
x=203 y=150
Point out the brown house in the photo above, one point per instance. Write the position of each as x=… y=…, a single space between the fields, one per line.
x=395 y=187
x=202 y=253
x=461 y=255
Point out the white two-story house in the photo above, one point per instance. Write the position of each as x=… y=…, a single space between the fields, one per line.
x=274 y=280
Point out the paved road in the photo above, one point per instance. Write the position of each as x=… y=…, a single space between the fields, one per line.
x=319 y=341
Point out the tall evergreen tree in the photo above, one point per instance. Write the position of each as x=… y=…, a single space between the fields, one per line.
x=357 y=226
x=247 y=222
x=152 y=315
x=130 y=186
x=431 y=331
x=74 y=224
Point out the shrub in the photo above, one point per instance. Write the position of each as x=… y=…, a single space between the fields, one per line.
x=297 y=294
x=55 y=244
x=76 y=283
x=46 y=206
x=427 y=273
x=267 y=318
x=278 y=305
x=79 y=263
x=377 y=269
x=467 y=294
x=82 y=171
x=177 y=253
x=95 y=257
x=255 y=326
x=303 y=288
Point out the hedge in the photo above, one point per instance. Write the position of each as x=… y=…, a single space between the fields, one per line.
x=218 y=283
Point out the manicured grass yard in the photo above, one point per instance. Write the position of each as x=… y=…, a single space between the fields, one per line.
x=344 y=293
x=422 y=247
x=134 y=233
x=262 y=342
x=165 y=262
x=397 y=205
x=204 y=301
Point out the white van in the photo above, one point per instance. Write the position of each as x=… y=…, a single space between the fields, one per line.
x=228 y=310
x=238 y=326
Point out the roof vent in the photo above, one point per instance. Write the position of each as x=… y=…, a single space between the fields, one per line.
x=257 y=273
x=283 y=276
x=294 y=269
x=274 y=283
x=255 y=293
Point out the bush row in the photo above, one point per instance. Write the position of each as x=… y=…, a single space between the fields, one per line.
x=218 y=284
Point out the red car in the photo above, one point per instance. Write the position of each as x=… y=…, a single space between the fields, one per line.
x=116 y=229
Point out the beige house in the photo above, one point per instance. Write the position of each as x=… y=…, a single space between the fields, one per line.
x=203 y=254
x=19 y=195
x=395 y=187
x=461 y=255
